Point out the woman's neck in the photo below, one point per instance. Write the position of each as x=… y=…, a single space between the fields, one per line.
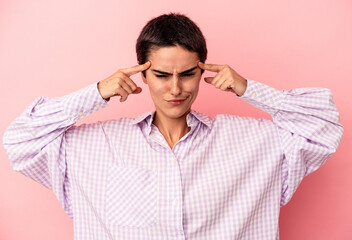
x=172 y=129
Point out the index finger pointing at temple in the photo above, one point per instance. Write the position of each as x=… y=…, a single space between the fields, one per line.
x=210 y=67
x=136 y=69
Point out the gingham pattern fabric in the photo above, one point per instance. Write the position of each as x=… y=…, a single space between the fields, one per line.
x=225 y=179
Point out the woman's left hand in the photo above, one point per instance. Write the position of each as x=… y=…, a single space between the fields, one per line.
x=226 y=78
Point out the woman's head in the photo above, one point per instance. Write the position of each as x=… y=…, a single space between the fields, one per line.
x=170 y=30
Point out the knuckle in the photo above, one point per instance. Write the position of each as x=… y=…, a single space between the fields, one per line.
x=120 y=81
x=226 y=68
x=120 y=73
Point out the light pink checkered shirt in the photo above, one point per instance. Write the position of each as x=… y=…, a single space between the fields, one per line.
x=225 y=179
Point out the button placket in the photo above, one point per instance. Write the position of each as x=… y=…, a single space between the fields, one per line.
x=174 y=161
x=175 y=197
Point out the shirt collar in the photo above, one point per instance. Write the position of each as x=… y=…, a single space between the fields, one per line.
x=192 y=116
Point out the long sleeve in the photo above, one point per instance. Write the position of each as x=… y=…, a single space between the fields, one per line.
x=35 y=141
x=308 y=127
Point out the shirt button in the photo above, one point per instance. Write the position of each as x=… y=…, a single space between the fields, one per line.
x=254 y=94
x=97 y=106
x=81 y=113
x=175 y=201
x=174 y=161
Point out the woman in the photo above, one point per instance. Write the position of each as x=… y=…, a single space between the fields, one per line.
x=175 y=173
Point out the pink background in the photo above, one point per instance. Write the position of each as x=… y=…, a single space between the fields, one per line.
x=52 y=48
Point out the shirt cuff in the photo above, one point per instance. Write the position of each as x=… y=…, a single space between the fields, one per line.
x=263 y=97
x=83 y=102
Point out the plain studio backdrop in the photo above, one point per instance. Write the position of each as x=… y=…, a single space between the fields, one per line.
x=52 y=48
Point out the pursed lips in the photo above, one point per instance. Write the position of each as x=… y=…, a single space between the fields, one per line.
x=177 y=99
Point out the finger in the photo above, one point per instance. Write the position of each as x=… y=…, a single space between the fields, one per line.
x=219 y=83
x=131 y=84
x=226 y=86
x=123 y=98
x=136 y=69
x=123 y=95
x=217 y=80
x=123 y=85
x=208 y=79
x=210 y=67
x=138 y=90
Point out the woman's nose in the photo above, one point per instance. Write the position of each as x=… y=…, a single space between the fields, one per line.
x=176 y=86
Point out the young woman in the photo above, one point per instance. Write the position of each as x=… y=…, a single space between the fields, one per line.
x=175 y=173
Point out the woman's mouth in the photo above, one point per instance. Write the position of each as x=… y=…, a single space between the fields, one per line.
x=176 y=101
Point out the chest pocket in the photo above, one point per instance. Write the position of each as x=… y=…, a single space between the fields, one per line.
x=131 y=196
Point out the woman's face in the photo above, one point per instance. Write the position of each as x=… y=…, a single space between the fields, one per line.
x=173 y=79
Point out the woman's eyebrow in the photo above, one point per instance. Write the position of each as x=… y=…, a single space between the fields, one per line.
x=166 y=73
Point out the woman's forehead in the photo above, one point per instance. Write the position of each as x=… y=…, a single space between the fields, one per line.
x=173 y=58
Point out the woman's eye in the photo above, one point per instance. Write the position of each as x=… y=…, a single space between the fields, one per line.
x=184 y=75
x=188 y=74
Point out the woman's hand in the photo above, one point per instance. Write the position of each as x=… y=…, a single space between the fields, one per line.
x=226 y=78
x=120 y=83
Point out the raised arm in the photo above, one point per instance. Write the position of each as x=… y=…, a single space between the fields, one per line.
x=35 y=141
x=307 y=121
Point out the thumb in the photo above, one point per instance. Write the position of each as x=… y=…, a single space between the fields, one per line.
x=138 y=90
x=208 y=79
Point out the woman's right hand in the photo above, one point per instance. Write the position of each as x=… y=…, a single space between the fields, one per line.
x=120 y=84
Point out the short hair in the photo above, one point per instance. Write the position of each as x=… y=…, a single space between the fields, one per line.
x=170 y=30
